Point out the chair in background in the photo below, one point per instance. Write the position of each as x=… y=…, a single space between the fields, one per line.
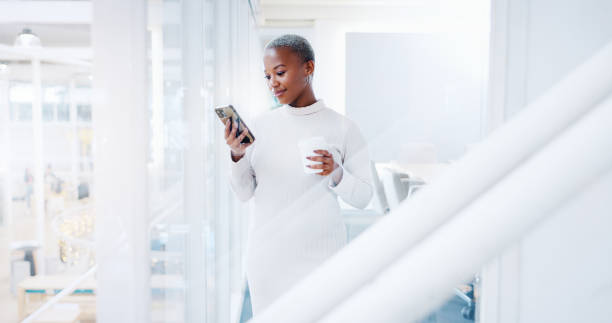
x=418 y=153
x=379 y=200
x=396 y=190
x=246 y=307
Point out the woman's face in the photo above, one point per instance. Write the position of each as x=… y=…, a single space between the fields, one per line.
x=287 y=74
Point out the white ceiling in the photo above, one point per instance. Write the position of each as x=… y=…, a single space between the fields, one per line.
x=64 y=26
x=67 y=23
x=295 y=13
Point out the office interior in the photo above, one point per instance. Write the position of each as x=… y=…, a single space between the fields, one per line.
x=488 y=124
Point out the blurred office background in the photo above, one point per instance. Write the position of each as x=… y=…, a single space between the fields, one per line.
x=485 y=121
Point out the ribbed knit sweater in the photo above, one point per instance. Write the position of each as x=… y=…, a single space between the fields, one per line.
x=296 y=223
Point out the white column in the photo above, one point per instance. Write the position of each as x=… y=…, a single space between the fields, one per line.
x=38 y=167
x=5 y=155
x=155 y=21
x=195 y=188
x=224 y=203
x=74 y=144
x=121 y=143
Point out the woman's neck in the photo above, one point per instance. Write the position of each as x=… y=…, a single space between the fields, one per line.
x=305 y=98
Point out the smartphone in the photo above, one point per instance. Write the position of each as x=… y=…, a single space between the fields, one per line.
x=228 y=111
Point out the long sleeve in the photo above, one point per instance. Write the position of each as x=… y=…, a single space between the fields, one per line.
x=355 y=187
x=242 y=177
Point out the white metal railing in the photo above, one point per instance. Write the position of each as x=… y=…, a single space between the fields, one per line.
x=65 y=292
x=341 y=284
x=428 y=272
x=164 y=211
x=122 y=240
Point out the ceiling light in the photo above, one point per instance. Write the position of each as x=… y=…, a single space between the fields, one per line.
x=27 y=39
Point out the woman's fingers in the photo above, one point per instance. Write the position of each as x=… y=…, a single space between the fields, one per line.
x=318 y=166
x=231 y=133
x=234 y=128
x=326 y=169
x=233 y=139
x=323 y=152
x=242 y=135
x=227 y=128
x=325 y=160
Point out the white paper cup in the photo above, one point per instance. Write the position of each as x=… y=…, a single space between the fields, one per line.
x=307 y=148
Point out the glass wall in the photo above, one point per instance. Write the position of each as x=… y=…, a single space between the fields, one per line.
x=200 y=54
x=45 y=174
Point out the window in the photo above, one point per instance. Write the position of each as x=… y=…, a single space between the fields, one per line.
x=48 y=112
x=63 y=112
x=84 y=112
x=23 y=111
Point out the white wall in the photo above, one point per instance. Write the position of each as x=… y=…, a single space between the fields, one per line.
x=353 y=79
x=121 y=206
x=5 y=145
x=547 y=39
x=562 y=271
x=413 y=87
x=566 y=264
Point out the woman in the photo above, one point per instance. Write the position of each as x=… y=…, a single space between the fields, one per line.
x=296 y=223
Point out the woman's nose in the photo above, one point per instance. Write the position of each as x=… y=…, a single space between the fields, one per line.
x=273 y=82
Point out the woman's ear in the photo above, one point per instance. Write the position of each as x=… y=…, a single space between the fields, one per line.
x=309 y=68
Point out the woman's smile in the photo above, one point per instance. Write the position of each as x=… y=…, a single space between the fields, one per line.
x=278 y=93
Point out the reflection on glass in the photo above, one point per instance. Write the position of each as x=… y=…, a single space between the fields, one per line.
x=63 y=112
x=84 y=112
x=46 y=254
x=48 y=112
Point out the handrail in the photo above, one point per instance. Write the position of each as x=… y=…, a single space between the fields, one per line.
x=503 y=151
x=74 y=284
x=66 y=291
x=428 y=272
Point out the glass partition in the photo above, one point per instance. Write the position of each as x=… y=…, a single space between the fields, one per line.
x=47 y=223
x=200 y=54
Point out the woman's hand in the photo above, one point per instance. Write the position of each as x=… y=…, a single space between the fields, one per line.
x=328 y=165
x=238 y=149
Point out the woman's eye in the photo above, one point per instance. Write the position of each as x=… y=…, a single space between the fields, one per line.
x=280 y=73
x=267 y=77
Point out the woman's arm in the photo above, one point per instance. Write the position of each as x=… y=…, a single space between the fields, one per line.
x=355 y=180
x=242 y=176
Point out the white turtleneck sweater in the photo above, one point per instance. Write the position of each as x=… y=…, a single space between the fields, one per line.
x=296 y=223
